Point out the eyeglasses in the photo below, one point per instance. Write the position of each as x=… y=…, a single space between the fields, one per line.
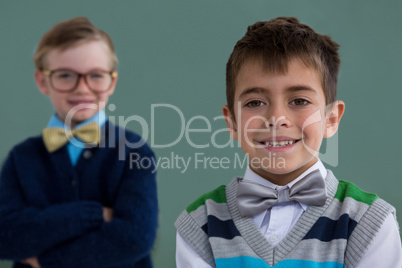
x=65 y=80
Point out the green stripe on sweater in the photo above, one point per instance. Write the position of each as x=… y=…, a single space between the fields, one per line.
x=348 y=189
x=218 y=195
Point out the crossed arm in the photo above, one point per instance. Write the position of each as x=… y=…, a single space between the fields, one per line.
x=33 y=261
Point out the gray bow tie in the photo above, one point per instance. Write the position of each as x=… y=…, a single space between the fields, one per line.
x=253 y=198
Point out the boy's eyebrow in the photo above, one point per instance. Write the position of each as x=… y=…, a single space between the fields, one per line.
x=300 y=88
x=251 y=90
x=291 y=89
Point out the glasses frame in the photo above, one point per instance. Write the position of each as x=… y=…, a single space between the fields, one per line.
x=49 y=74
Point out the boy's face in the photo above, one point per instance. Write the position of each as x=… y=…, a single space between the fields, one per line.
x=81 y=58
x=281 y=119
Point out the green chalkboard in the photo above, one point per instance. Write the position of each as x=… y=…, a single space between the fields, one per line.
x=172 y=68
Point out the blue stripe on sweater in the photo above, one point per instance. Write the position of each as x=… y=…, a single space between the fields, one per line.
x=241 y=262
x=307 y=264
x=217 y=228
x=247 y=261
x=341 y=228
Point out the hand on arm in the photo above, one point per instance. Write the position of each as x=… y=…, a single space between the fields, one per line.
x=33 y=262
x=107 y=214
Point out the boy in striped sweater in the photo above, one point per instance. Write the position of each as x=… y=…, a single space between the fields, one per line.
x=281 y=81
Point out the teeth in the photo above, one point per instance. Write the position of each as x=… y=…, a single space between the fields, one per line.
x=279 y=143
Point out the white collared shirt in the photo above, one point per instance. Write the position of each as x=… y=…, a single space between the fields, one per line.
x=276 y=222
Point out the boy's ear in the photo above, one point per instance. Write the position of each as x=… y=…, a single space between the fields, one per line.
x=113 y=86
x=333 y=118
x=230 y=122
x=41 y=82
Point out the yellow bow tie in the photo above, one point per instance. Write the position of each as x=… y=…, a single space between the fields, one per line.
x=55 y=137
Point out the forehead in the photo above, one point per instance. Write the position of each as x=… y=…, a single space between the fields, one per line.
x=81 y=57
x=254 y=75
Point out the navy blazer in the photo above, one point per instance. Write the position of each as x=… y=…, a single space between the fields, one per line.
x=52 y=210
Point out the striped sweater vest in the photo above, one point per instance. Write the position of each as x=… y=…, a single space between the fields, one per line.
x=334 y=235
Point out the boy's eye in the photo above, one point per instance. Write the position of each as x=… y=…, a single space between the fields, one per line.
x=299 y=102
x=64 y=75
x=255 y=103
x=96 y=75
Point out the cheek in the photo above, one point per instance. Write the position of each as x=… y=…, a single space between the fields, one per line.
x=313 y=130
x=312 y=138
x=312 y=125
x=103 y=100
x=252 y=121
x=57 y=98
x=312 y=118
x=308 y=118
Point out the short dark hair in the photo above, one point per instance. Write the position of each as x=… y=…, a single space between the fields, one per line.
x=275 y=43
x=68 y=33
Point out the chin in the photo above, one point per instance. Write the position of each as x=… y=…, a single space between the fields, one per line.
x=78 y=120
x=279 y=168
x=283 y=167
x=81 y=116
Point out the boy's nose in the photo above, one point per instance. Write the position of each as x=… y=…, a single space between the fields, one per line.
x=277 y=122
x=277 y=118
x=82 y=85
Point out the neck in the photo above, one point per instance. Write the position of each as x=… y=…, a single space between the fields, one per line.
x=286 y=178
x=69 y=123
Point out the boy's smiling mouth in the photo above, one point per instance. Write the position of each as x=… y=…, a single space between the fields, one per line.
x=80 y=101
x=279 y=142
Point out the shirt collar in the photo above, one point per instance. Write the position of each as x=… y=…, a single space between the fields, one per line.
x=100 y=118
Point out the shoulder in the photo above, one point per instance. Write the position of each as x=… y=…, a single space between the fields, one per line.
x=120 y=133
x=360 y=204
x=350 y=190
x=205 y=212
x=29 y=145
x=197 y=210
x=197 y=213
x=26 y=153
x=127 y=139
x=353 y=198
x=217 y=195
